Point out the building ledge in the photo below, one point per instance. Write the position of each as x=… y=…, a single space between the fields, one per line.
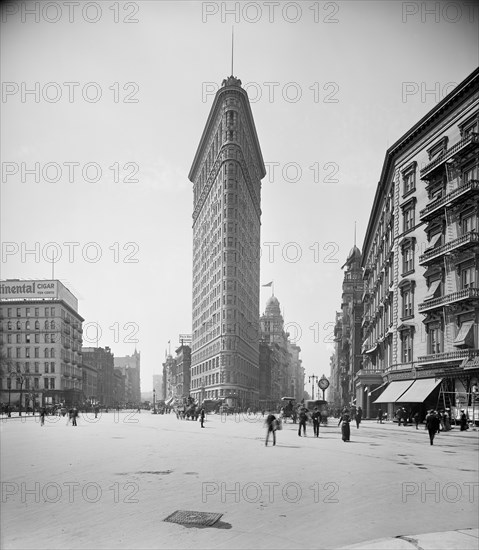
x=430 y=211
x=470 y=238
x=459 y=296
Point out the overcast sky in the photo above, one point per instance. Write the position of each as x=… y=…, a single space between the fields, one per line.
x=332 y=85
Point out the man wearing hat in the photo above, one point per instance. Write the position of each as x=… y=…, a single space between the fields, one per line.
x=432 y=425
x=463 y=423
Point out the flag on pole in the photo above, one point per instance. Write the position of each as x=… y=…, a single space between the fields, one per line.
x=269 y=284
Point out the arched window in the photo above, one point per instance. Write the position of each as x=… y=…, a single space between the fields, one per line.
x=47 y=354
x=19 y=325
x=45 y=326
x=52 y=324
x=27 y=325
x=37 y=325
x=52 y=352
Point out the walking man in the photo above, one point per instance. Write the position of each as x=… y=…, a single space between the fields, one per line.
x=380 y=416
x=302 y=421
x=316 y=416
x=270 y=428
x=42 y=416
x=432 y=425
x=74 y=416
x=359 y=416
x=202 y=417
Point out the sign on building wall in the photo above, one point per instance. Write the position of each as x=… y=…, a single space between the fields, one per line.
x=37 y=290
x=185 y=339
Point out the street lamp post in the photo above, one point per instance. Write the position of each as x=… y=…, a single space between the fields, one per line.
x=313 y=378
x=154 y=401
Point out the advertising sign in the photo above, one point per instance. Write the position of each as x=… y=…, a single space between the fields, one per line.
x=15 y=289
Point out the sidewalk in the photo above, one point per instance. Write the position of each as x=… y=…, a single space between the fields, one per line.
x=462 y=539
x=389 y=425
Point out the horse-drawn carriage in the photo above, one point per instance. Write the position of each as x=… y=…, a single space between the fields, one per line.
x=290 y=409
x=322 y=406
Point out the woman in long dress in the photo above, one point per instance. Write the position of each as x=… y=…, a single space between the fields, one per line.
x=345 y=428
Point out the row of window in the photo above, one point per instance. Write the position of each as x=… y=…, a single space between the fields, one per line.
x=48 y=352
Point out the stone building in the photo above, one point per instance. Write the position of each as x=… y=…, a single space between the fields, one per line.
x=41 y=344
x=421 y=260
x=183 y=372
x=226 y=176
x=130 y=368
x=101 y=359
x=281 y=370
x=348 y=362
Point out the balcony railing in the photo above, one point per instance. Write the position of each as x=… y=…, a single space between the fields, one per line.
x=470 y=238
x=448 y=356
x=452 y=197
x=471 y=139
x=460 y=295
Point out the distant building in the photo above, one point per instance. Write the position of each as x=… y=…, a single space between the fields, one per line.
x=158 y=386
x=89 y=384
x=281 y=370
x=169 y=380
x=40 y=344
x=130 y=368
x=183 y=372
x=101 y=359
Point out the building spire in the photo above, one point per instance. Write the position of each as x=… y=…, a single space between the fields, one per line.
x=232 y=47
x=354 y=233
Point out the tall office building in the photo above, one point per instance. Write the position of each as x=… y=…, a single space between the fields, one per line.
x=226 y=176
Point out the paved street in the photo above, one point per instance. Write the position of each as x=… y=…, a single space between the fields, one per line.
x=112 y=482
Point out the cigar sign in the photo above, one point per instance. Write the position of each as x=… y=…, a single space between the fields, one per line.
x=36 y=290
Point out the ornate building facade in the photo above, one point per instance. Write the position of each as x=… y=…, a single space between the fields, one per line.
x=421 y=260
x=130 y=368
x=281 y=370
x=347 y=364
x=226 y=176
x=41 y=344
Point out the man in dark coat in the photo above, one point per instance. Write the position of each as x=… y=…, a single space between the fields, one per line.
x=303 y=417
x=463 y=421
x=202 y=417
x=270 y=428
x=316 y=416
x=359 y=416
x=432 y=425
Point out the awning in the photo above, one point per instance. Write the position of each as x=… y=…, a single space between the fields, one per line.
x=465 y=336
x=431 y=293
x=378 y=388
x=432 y=244
x=394 y=391
x=420 y=390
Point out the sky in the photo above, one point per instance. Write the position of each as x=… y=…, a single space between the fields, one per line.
x=107 y=102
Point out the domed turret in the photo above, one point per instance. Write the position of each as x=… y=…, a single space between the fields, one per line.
x=272 y=307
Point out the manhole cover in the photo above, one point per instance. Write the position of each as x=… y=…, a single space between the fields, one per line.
x=187 y=517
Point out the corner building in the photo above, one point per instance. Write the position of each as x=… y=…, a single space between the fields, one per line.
x=421 y=263
x=226 y=176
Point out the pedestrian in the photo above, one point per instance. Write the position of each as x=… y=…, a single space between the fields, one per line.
x=416 y=419
x=202 y=417
x=345 y=418
x=447 y=420
x=432 y=425
x=380 y=416
x=316 y=416
x=463 y=421
x=271 y=426
x=74 y=416
x=96 y=412
x=43 y=412
x=70 y=415
x=303 y=417
x=359 y=416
